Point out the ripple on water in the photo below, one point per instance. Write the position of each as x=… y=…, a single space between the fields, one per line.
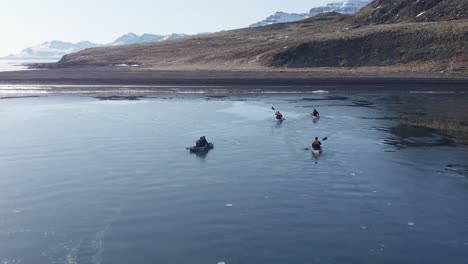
x=97 y=181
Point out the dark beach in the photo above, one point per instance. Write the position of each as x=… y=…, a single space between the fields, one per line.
x=239 y=80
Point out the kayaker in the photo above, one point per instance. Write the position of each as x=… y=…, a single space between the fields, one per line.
x=316 y=113
x=202 y=142
x=279 y=116
x=317 y=145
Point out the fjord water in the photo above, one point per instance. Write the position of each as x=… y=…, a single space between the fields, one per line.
x=95 y=181
x=20 y=64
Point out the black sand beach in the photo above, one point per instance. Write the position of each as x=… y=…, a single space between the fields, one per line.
x=258 y=80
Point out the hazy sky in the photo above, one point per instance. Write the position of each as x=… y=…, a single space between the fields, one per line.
x=26 y=23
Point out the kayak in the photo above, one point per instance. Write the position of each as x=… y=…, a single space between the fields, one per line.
x=280 y=120
x=202 y=149
x=316 y=152
x=315 y=118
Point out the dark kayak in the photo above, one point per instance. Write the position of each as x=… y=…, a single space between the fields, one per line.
x=202 y=149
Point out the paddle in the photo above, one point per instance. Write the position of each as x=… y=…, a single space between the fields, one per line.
x=323 y=139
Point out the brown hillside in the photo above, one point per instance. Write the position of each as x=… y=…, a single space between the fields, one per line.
x=385 y=34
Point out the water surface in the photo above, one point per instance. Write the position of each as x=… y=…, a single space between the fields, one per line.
x=85 y=180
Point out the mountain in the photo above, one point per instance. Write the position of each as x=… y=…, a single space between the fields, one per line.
x=56 y=49
x=385 y=36
x=280 y=17
x=346 y=7
x=132 y=38
x=52 y=49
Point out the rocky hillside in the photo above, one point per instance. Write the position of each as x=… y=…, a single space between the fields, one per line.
x=386 y=35
x=398 y=11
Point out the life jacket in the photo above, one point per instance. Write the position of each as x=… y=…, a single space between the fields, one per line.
x=317 y=144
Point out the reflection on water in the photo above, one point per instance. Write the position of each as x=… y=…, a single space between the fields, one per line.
x=20 y=64
x=85 y=180
x=413 y=136
x=119 y=98
x=458 y=169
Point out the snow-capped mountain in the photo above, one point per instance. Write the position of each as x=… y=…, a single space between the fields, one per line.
x=345 y=7
x=132 y=38
x=52 y=49
x=280 y=17
x=56 y=49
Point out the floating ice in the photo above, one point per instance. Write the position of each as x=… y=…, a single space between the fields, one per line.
x=126 y=65
x=320 y=92
x=411 y=223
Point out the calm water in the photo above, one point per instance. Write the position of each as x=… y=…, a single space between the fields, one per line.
x=19 y=65
x=92 y=181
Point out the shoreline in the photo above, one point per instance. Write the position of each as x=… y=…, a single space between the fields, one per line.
x=233 y=80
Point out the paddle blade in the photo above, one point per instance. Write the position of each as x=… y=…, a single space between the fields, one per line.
x=273 y=108
x=325 y=138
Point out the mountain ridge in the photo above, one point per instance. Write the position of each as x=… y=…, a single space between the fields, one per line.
x=345 y=7
x=56 y=49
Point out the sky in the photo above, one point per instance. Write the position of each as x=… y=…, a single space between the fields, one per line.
x=25 y=23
